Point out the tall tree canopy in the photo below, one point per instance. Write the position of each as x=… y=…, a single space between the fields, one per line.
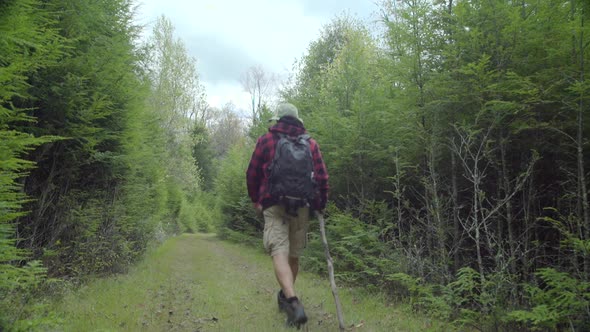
x=455 y=134
x=96 y=141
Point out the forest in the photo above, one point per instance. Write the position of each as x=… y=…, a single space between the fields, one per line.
x=454 y=133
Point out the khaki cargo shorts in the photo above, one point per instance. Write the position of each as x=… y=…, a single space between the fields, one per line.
x=284 y=233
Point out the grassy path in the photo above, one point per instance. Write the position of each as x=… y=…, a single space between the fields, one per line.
x=198 y=283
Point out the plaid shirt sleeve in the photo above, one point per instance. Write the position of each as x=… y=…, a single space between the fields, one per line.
x=321 y=177
x=254 y=173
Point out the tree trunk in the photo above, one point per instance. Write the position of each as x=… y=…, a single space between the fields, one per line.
x=509 y=221
x=476 y=223
x=456 y=222
x=527 y=236
x=441 y=252
x=580 y=149
x=398 y=196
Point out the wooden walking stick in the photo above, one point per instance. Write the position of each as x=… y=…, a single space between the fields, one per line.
x=331 y=272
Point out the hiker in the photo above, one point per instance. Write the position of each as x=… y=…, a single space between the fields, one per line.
x=287 y=180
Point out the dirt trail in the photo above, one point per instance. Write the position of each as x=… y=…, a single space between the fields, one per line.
x=218 y=286
x=199 y=283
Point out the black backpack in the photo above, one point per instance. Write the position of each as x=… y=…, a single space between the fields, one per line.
x=291 y=172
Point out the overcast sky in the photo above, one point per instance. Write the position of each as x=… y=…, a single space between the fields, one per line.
x=229 y=36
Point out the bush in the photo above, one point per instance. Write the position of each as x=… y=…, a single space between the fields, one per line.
x=20 y=306
x=199 y=214
x=233 y=200
x=358 y=253
x=559 y=302
x=423 y=297
x=187 y=217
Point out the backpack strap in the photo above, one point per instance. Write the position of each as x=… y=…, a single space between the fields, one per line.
x=298 y=137
x=305 y=137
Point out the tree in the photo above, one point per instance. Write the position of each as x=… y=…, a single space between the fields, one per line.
x=227 y=130
x=262 y=125
x=204 y=155
x=30 y=45
x=85 y=98
x=179 y=99
x=413 y=41
x=260 y=85
x=178 y=94
x=306 y=82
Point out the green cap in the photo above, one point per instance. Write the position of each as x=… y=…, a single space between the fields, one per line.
x=286 y=109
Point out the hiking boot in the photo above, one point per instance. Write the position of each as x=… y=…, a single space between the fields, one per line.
x=295 y=313
x=281 y=300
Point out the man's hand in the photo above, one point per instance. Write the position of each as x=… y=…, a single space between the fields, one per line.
x=258 y=209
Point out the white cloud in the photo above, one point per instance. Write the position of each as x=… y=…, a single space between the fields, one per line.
x=229 y=36
x=218 y=94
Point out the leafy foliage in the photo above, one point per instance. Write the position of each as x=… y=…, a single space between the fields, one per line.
x=422 y=297
x=230 y=187
x=89 y=173
x=29 y=44
x=467 y=119
x=558 y=302
x=359 y=256
x=447 y=131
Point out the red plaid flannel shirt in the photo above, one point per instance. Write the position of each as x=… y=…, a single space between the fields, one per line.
x=257 y=173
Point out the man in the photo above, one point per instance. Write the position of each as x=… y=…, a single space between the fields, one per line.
x=286 y=218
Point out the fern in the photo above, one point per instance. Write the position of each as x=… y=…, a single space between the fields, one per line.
x=423 y=296
x=560 y=300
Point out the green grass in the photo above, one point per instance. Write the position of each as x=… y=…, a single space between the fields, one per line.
x=198 y=283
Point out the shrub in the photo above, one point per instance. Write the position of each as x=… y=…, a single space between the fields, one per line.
x=558 y=302
x=422 y=296
x=233 y=200
x=358 y=253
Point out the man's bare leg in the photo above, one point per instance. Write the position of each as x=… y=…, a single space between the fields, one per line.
x=284 y=273
x=294 y=263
